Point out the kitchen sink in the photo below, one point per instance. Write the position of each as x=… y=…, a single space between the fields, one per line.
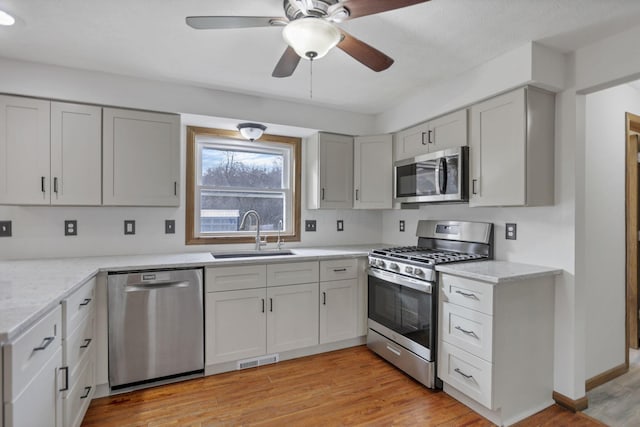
x=250 y=254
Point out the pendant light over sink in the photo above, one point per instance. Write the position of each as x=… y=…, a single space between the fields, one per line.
x=251 y=131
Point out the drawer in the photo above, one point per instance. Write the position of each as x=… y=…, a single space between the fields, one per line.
x=30 y=352
x=467 y=293
x=338 y=269
x=79 y=395
x=237 y=277
x=80 y=343
x=78 y=305
x=292 y=273
x=468 y=329
x=467 y=373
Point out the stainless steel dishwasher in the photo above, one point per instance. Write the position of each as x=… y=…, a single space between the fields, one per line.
x=156 y=322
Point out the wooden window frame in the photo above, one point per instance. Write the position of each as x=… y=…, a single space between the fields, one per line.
x=191 y=167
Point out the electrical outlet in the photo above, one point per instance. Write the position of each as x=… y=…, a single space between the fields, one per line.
x=129 y=226
x=402 y=225
x=71 y=227
x=510 y=231
x=170 y=226
x=340 y=225
x=5 y=228
x=310 y=225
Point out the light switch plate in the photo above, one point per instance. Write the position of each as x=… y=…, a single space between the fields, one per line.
x=71 y=227
x=510 y=231
x=170 y=226
x=310 y=225
x=5 y=228
x=402 y=225
x=340 y=225
x=129 y=226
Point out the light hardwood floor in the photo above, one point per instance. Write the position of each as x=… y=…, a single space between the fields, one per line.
x=342 y=388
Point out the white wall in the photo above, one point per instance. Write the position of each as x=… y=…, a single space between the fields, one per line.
x=605 y=225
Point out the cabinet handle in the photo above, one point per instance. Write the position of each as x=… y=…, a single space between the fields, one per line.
x=66 y=379
x=263 y=305
x=393 y=350
x=45 y=343
x=55 y=184
x=87 y=390
x=464 y=331
x=85 y=302
x=356 y=194
x=175 y=188
x=429 y=139
x=468 y=295
x=457 y=370
x=42 y=184
x=324 y=298
x=423 y=141
x=473 y=186
x=339 y=270
x=271 y=305
x=87 y=341
x=322 y=195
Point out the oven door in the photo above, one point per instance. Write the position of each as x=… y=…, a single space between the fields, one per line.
x=403 y=310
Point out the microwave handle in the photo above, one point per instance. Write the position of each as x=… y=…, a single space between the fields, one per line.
x=441 y=178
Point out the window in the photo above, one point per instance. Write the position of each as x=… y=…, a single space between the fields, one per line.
x=228 y=176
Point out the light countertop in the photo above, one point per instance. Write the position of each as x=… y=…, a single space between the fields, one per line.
x=30 y=288
x=497 y=271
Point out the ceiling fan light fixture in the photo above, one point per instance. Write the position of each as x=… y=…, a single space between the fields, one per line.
x=251 y=131
x=311 y=37
x=6 y=19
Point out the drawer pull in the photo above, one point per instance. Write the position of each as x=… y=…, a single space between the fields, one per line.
x=339 y=270
x=263 y=305
x=45 y=343
x=393 y=350
x=324 y=298
x=66 y=379
x=464 y=331
x=457 y=370
x=85 y=302
x=468 y=295
x=87 y=390
x=87 y=341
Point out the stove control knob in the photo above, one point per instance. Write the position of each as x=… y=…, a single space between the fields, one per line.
x=418 y=272
x=394 y=266
x=408 y=270
x=381 y=263
x=372 y=262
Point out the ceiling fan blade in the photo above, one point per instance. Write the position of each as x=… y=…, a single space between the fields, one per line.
x=287 y=64
x=366 y=54
x=358 y=8
x=223 y=22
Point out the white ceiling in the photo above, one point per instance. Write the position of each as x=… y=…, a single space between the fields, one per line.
x=430 y=41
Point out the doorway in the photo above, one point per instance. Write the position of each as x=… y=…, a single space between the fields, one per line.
x=632 y=188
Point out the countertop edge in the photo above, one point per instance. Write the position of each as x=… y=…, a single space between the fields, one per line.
x=528 y=271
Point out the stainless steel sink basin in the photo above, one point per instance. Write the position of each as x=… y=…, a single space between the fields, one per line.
x=250 y=254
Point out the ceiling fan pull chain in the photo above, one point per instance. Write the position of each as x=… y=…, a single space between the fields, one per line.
x=311 y=79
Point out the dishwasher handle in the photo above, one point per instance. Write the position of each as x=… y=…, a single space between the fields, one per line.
x=147 y=287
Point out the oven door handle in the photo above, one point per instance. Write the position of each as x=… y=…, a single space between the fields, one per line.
x=418 y=285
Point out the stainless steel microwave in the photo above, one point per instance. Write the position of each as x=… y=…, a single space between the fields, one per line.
x=435 y=177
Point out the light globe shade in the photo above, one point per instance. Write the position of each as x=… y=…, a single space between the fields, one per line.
x=251 y=131
x=311 y=38
x=6 y=19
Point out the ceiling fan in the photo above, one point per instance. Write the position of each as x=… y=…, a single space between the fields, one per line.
x=310 y=29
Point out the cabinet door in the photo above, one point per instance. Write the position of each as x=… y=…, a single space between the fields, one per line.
x=40 y=404
x=292 y=317
x=448 y=131
x=76 y=157
x=497 y=151
x=141 y=158
x=235 y=325
x=373 y=175
x=24 y=151
x=411 y=142
x=338 y=310
x=336 y=171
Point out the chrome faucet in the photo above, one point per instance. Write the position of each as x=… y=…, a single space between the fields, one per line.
x=259 y=243
x=279 y=242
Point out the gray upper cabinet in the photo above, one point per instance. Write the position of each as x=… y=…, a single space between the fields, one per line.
x=329 y=171
x=141 y=158
x=437 y=134
x=373 y=172
x=511 y=150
